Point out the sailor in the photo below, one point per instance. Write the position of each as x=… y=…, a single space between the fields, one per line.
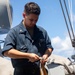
x=27 y=42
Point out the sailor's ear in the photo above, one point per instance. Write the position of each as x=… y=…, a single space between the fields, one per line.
x=24 y=15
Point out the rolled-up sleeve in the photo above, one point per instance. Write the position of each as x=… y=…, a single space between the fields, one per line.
x=9 y=41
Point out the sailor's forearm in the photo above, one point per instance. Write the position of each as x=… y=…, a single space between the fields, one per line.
x=48 y=52
x=15 y=54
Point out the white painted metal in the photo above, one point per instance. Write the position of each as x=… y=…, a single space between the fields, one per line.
x=55 y=69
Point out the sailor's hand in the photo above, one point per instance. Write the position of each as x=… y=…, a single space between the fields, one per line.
x=43 y=59
x=33 y=57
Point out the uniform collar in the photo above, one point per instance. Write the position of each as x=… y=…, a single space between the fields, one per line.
x=23 y=29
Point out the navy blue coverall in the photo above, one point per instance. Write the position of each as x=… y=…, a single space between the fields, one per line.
x=19 y=39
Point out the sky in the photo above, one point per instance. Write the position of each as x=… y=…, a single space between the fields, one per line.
x=52 y=20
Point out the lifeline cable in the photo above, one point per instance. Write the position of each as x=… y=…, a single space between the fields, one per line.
x=69 y=18
x=66 y=20
x=67 y=26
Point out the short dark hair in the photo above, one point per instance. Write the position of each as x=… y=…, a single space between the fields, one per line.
x=32 y=8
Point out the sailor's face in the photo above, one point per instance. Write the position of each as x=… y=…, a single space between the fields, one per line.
x=30 y=20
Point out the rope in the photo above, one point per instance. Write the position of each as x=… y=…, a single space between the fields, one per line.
x=43 y=70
